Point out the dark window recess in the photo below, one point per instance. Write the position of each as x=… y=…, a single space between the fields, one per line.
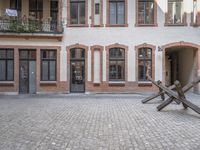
x=144 y=64
x=17 y=5
x=6 y=64
x=48 y=65
x=35 y=9
x=117 y=12
x=116 y=64
x=77 y=12
x=97 y=9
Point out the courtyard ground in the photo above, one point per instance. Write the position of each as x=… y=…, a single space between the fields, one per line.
x=96 y=122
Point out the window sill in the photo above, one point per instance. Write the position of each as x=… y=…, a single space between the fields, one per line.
x=175 y=25
x=7 y=82
x=117 y=83
x=101 y=25
x=144 y=83
x=77 y=25
x=194 y=24
x=146 y=25
x=96 y=83
x=116 y=25
x=48 y=82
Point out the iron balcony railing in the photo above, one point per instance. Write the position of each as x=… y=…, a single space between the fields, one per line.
x=30 y=26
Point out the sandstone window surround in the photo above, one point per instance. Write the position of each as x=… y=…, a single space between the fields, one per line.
x=146 y=13
x=145 y=63
x=77 y=13
x=117 y=13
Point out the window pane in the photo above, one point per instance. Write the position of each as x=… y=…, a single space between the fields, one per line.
x=113 y=13
x=10 y=54
x=73 y=13
x=77 y=53
x=116 y=53
x=32 y=4
x=3 y=70
x=40 y=4
x=113 y=70
x=45 y=71
x=52 y=54
x=23 y=54
x=2 y=54
x=10 y=70
x=144 y=69
x=97 y=8
x=145 y=53
x=52 y=71
x=82 y=13
x=146 y=12
x=32 y=54
x=121 y=13
x=175 y=11
x=120 y=70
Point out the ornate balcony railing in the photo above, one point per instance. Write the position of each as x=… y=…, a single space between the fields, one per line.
x=30 y=26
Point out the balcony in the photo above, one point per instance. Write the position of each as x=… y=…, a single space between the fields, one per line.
x=175 y=20
x=31 y=28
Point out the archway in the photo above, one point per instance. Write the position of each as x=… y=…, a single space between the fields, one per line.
x=180 y=62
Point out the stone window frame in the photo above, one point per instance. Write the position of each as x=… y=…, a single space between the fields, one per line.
x=108 y=15
x=48 y=60
x=137 y=48
x=6 y=59
x=86 y=48
x=117 y=45
x=100 y=49
x=86 y=16
x=155 y=24
x=93 y=13
x=184 y=23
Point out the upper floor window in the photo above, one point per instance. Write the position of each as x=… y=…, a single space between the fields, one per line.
x=7 y=64
x=117 y=12
x=146 y=12
x=116 y=64
x=36 y=9
x=17 y=5
x=77 y=12
x=175 y=12
x=48 y=65
x=144 y=63
x=194 y=15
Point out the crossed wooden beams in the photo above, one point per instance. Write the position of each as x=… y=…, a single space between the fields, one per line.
x=178 y=96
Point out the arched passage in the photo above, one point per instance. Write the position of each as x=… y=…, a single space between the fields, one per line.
x=180 y=62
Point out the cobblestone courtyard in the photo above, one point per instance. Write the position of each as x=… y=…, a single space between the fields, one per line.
x=96 y=122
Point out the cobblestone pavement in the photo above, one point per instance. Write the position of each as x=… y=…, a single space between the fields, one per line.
x=96 y=122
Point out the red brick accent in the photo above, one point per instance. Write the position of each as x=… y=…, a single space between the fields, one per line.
x=58 y=86
x=101 y=14
x=68 y=48
x=145 y=45
x=100 y=49
x=117 y=45
x=155 y=24
x=108 y=14
x=86 y=16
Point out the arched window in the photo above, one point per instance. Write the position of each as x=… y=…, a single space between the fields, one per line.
x=144 y=63
x=116 y=64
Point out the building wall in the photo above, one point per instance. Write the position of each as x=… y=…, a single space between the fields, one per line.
x=129 y=36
